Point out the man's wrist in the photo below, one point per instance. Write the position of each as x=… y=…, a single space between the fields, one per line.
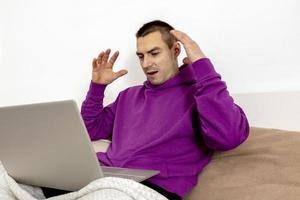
x=96 y=88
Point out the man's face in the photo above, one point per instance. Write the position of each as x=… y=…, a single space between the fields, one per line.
x=158 y=61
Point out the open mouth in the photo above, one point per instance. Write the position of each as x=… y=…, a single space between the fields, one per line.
x=152 y=73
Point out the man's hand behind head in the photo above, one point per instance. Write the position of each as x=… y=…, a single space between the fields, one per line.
x=192 y=49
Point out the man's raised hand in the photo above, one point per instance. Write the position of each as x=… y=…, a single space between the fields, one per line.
x=103 y=68
x=192 y=49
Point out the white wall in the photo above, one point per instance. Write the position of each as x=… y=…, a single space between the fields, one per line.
x=46 y=46
x=279 y=110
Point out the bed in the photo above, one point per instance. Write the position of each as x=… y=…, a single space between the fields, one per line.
x=267 y=165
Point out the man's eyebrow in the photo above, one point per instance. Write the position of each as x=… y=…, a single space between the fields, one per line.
x=151 y=50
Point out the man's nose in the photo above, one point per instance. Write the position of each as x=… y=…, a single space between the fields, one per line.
x=147 y=62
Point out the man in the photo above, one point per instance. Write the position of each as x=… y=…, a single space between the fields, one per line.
x=174 y=121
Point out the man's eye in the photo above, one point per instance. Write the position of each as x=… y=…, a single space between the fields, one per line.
x=154 y=53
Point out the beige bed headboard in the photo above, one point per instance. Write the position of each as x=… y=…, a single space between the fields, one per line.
x=271 y=109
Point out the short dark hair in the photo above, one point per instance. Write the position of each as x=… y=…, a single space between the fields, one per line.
x=158 y=25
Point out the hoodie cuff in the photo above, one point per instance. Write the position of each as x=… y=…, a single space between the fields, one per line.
x=96 y=89
x=203 y=68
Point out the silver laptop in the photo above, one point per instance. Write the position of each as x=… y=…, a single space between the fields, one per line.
x=46 y=144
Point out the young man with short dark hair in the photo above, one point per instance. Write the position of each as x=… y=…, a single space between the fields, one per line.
x=174 y=121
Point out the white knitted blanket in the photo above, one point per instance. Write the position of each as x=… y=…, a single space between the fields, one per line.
x=109 y=188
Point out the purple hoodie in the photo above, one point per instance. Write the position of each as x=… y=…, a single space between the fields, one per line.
x=173 y=127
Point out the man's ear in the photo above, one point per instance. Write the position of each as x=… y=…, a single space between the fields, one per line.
x=177 y=49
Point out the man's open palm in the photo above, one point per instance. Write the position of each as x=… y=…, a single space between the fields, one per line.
x=103 y=68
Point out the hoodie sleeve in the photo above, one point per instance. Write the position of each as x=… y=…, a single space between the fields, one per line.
x=224 y=124
x=98 y=120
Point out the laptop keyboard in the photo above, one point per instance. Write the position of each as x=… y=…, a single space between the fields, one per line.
x=127 y=176
x=136 y=175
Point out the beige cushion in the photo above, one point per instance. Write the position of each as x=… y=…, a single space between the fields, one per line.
x=266 y=166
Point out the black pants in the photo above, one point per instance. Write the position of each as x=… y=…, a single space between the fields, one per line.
x=49 y=192
x=167 y=194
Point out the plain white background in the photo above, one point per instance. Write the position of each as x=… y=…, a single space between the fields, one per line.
x=47 y=46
